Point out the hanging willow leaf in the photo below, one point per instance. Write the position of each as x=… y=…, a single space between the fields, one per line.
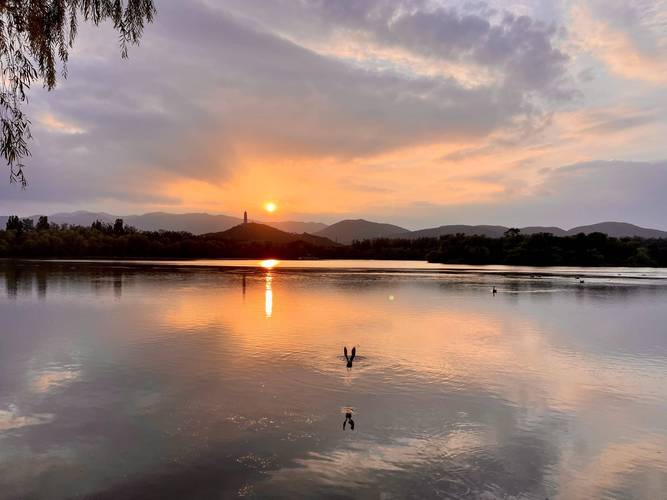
x=35 y=39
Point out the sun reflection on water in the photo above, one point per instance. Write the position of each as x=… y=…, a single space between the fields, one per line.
x=268 y=296
x=268 y=292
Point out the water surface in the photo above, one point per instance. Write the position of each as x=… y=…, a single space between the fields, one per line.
x=224 y=379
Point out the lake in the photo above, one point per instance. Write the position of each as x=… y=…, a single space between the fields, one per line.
x=219 y=379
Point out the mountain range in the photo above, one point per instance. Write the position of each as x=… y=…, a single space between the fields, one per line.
x=348 y=230
x=343 y=232
x=615 y=229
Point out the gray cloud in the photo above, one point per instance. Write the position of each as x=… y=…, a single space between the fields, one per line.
x=605 y=123
x=521 y=49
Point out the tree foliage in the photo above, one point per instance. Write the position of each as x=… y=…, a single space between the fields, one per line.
x=35 y=39
x=42 y=223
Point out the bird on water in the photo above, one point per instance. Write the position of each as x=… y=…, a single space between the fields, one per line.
x=349 y=359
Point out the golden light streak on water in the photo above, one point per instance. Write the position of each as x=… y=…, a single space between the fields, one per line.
x=268 y=297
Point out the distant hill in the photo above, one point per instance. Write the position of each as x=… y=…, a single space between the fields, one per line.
x=435 y=232
x=196 y=223
x=253 y=231
x=79 y=218
x=349 y=230
x=298 y=227
x=619 y=230
x=556 y=231
x=615 y=229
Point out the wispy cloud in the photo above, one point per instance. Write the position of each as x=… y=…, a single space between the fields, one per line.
x=54 y=124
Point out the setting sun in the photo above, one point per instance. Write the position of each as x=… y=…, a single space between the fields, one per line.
x=269 y=206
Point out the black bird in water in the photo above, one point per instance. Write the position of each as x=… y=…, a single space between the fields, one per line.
x=350 y=358
x=494 y=291
x=348 y=418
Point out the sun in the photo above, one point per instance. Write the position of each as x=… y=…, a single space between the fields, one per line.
x=271 y=207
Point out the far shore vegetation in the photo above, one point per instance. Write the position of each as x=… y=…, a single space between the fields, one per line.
x=24 y=238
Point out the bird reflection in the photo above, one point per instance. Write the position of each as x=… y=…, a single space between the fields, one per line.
x=349 y=359
x=348 y=419
x=117 y=284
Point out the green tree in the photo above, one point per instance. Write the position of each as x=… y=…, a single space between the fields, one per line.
x=35 y=39
x=118 y=226
x=14 y=224
x=28 y=224
x=42 y=223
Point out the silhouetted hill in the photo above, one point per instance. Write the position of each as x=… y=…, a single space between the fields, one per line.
x=615 y=229
x=482 y=230
x=349 y=230
x=297 y=227
x=79 y=218
x=619 y=230
x=556 y=231
x=195 y=223
x=254 y=232
x=435 y=232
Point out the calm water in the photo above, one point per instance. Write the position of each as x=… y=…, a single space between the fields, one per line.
x=216 y=380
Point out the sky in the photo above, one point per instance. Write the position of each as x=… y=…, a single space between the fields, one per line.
x=414 y=112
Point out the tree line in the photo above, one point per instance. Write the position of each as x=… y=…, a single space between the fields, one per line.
x=23 y=238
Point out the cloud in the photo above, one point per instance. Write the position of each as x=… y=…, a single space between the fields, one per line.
x=516 y=50
x=629 y=37
x=520 y=49
x=54 y=124
x=609 y=121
